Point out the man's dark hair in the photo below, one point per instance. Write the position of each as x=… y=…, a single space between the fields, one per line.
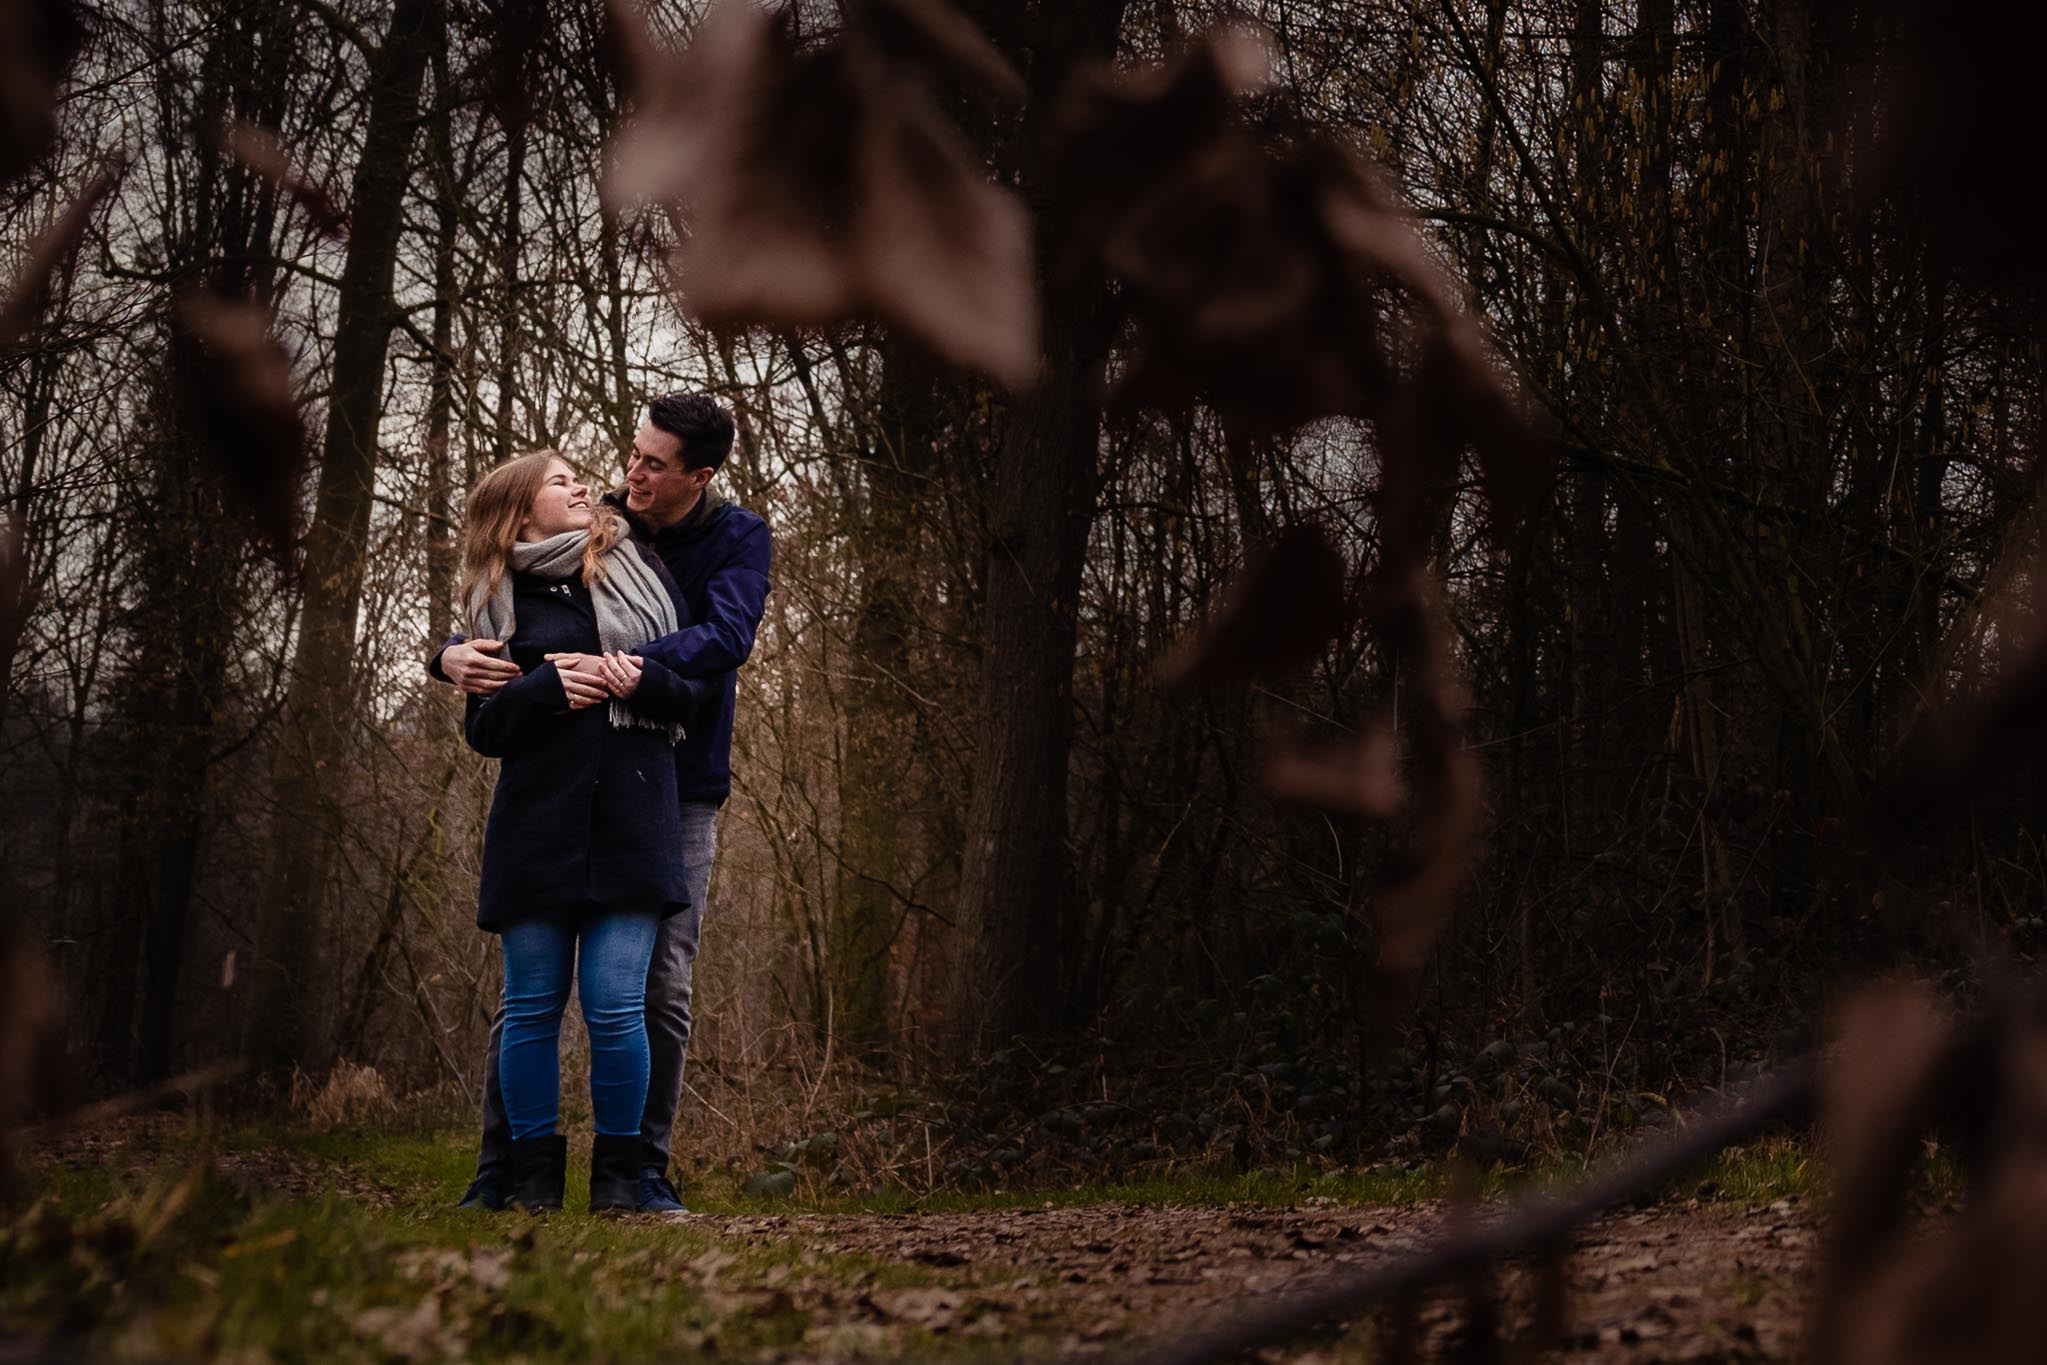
x=700 y=422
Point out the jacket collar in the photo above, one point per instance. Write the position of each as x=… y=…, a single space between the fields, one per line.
x=699 y=516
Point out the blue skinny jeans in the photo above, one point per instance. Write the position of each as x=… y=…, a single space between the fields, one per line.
x=540 y=961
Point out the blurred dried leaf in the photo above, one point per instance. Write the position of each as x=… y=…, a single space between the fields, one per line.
x=810 y=186
x=1270 y=272
x=1238 y=293
x=238 y=393
x=38 y=39
x=1400 y=1332
x=1951 y=753
x=32 y=1071
x=1360 y=777
x=1875 y=1102
x=49 y=253
x=1447 y=799
x=17 y=593
x=415 y=1334
x=1453 y=401
x=1552 y=1303
x=1280 y=613
x=1481 y=1344
x=1970 y=1291
x=937 y=38
x=517 y=34
x=1970 y=1294
x=1951 y=118
x=259 y=150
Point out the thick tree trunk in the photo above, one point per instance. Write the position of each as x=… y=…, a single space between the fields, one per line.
x=313 y=742
x=190 y=598
x=1017 y=893
x=1018 y=881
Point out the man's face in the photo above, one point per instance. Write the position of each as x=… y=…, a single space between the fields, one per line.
x=658 y=489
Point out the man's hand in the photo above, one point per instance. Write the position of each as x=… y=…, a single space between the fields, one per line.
x=582 y=679
x=621 y=672
x=471 y=667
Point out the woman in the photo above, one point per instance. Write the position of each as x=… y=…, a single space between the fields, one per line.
x=583 y=852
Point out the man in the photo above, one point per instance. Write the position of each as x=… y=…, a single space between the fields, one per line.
x=719 y=555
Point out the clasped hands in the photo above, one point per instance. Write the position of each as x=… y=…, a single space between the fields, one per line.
x=587 y=679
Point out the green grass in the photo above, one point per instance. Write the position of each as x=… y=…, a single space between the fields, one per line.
x=165 y=1256
x=438 y=1165
x=181 y=1244
x=1760 y=1173
x=443 y=1162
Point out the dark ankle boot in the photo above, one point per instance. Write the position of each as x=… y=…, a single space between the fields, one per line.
x=614 y=1173
x=488 y=1192
x=539 y=1169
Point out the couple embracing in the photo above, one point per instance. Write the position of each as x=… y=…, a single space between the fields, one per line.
x=600 y=665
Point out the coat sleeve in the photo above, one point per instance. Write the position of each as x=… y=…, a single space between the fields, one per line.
x=433 y=665
x=510 y=717
x=737 y=594
x=666 y=696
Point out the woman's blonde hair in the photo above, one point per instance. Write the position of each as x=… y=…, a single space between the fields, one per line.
x=498 y=506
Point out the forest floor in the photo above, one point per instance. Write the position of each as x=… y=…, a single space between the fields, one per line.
x=153 y=1241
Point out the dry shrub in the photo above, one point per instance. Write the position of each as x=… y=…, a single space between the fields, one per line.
x=352 y=1097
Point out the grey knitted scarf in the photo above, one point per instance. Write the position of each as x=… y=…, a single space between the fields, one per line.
x=632 y=606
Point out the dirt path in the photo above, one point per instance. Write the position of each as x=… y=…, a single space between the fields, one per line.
x=1703 y=1283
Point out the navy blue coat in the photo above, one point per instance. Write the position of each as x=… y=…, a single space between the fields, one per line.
x=585 y=813
x=720 y=557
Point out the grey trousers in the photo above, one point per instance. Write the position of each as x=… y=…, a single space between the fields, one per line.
x=668 y=1013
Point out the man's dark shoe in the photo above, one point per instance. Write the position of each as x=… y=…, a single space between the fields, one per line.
x=658 y=1194
x=540 y=1168
x=486 y=1192
x=613 y=1159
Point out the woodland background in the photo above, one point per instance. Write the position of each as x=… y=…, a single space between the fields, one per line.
x=1797 y=443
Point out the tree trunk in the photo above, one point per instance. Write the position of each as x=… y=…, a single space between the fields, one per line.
x=313 y=741
x=1017 y=892
x=510 y=237
x=190 y=599
x=880 y=746
x=440 y=402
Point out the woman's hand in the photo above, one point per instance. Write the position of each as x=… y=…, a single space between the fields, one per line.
x=621 y=673
x=582 y=680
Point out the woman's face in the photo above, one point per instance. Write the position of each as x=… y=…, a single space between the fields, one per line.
x=562 y=504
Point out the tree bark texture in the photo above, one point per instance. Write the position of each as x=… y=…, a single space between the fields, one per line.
x=314 y=741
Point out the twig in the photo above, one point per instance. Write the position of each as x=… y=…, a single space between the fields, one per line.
x=707 y=1104
x=1530 y=1225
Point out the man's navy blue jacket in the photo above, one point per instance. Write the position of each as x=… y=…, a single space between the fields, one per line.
x=719 y=556
x=584 y=814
